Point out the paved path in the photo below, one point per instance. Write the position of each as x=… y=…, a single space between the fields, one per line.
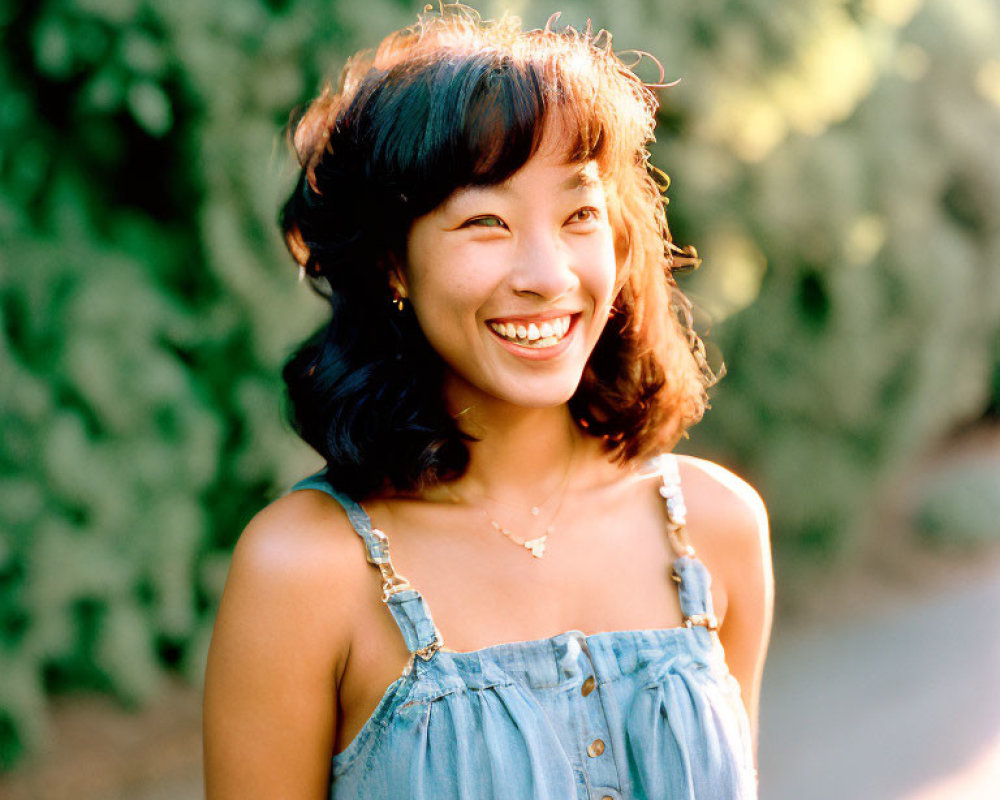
x=902 y=705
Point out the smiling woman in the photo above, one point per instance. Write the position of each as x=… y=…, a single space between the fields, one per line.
x=507 y=365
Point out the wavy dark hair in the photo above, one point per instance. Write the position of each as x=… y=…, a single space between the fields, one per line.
x=454 y=102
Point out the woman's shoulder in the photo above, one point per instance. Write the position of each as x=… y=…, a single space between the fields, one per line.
x=298 y=563
x=282 y=637
x=722 y=502
x=727 y=524
x=301 y=533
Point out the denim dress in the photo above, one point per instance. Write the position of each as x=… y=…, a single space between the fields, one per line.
x=652 y=714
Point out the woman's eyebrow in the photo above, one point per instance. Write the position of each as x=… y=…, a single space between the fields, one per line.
x=583 y=178
x=467 y=194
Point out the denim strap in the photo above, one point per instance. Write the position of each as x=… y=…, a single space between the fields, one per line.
x=407 y=606
x=693 y=580
x=694 y=587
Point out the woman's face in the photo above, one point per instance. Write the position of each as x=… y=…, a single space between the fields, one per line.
x=512 y=283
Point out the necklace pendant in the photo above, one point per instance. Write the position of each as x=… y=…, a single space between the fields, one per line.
x=536 y=546
x=535 y=511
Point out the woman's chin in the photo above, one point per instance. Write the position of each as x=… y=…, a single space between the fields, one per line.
x=512 y=395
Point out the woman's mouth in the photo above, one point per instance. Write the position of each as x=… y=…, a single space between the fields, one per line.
x=532 y=334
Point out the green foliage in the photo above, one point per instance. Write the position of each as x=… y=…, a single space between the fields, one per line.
x=960 y=509
x=871 y=331
x=833 y=161
x=147 y=305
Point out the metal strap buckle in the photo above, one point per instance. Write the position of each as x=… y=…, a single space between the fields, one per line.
x=679 y=540
x=676 y=510
x=708 y=621
x=670 y=491
x=379 y=551
x=426 y=652
x=391 y=582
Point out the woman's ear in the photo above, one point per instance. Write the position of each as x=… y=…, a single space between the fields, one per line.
x=397 y=280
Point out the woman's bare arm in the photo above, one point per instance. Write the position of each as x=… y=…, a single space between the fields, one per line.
x=278 y=649
x=736 y=535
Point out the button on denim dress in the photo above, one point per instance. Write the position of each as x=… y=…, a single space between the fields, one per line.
x=651 y=714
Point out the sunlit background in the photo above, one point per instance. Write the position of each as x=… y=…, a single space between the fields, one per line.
x=837 y=165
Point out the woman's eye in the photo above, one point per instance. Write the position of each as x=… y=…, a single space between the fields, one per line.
x=486 y=221
x=586 y=214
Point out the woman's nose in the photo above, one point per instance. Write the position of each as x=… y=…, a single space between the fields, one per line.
x=544 y=268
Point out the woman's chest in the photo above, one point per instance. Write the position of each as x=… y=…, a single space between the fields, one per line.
x=479 y=600
x=596 y=574
x=623 y=715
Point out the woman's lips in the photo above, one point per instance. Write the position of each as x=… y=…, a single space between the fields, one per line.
x=528 y=341
x=532 y=332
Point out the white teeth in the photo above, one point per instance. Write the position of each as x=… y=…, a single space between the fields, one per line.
x=546 y=334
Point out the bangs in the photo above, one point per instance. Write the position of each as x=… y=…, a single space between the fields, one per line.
x=473 y=119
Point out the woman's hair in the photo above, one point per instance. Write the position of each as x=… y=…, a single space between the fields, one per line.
x=455 y=102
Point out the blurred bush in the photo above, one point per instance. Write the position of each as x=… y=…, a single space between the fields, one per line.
x=849 y=212
x=834 y=161
x=147 y=306
x=960 y=508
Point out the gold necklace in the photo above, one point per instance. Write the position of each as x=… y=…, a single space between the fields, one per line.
x=536 y=545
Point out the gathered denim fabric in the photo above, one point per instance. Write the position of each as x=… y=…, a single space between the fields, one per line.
x=662 y=718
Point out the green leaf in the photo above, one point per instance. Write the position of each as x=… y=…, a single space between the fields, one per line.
x=150 y=107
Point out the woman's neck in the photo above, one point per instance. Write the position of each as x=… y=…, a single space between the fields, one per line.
x=520 y=454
